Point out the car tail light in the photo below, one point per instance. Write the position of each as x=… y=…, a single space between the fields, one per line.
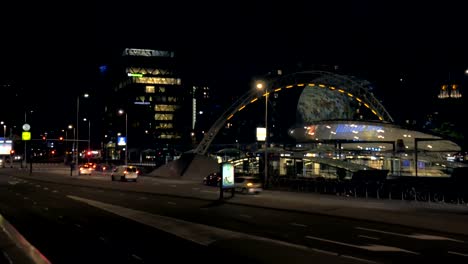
x=249 y=184
x=125 y=172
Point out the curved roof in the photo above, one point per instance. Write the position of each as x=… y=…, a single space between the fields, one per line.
x=367 y=135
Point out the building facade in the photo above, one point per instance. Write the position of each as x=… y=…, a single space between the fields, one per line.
x=157 y=106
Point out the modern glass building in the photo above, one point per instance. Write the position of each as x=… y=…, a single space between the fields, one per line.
x=157 y=105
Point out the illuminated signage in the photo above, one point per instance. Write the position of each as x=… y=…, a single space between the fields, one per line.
x=261 y=134
x=227 y=175
x=147 y=53
x=122 y=141
x=142 y=103
x=134 y=74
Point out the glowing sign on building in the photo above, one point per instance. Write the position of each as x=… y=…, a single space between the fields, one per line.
x=147 y=53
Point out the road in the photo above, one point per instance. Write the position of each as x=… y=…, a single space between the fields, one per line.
x=89 y=219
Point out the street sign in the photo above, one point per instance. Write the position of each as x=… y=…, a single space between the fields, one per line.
x=26 y=127
x=26 y=135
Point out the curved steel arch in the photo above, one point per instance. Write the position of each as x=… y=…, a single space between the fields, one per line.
x=357 y=87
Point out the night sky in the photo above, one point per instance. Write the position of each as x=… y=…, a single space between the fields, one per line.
x=52 y=52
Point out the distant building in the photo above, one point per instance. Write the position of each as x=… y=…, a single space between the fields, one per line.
x=150 y=89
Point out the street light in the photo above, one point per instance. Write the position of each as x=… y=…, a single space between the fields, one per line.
x=66 y=140
x=4 y=128
x=261 y=86
x=77 y=139
x=89 y=134
x=126 y=134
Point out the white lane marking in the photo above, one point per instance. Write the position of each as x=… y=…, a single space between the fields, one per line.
x=297 y=224
x=17 y=194
x=358 y=259
x=45 y=208
x=205 y=191
x=7 y=257
x=26 y=198
x=136 y=257
x=369 y=237
x=371 y=247
x=38 y=186
x=458 y=253
x=196 y=189
x=55 y=191
x=171 y=203
x=143 y=198
x=415 y=236
x=245 y=216
x=45 y=188
x=34 y=202
x=197 y=233
x=173 y=186
x=78 y=225
x=13 y=182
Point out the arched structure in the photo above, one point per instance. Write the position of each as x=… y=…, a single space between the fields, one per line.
x=355 y=89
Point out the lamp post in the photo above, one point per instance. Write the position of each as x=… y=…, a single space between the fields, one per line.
x=126 y=134
x=262 y=86
x=89 y=134
x=77 y=139
x=4 y=128
x=66 y=140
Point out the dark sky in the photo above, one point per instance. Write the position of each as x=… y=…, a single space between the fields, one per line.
x=53 y=50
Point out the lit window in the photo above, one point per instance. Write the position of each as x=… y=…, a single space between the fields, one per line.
x=150 y=89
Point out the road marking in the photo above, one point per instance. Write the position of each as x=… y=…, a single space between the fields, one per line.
x=331 y=253
x=136 y=257
x=78 y=225
x=173 y=186
x=196 y=189
x=369 y=237
x=195 y=232
x=206 y=191
x=7 y=257
x=26 y=198
x=13 y=182
x=457 y=253
x=45 y=188
x=143 y=198
x=371 y=247
x=55 y=191
x=171 y=203
x=245 y=216
x=415 y=236
x=38 y=186
x=297 y=224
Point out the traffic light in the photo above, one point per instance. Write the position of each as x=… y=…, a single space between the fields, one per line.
x=60 y=138
x=12 y=152
x=44 y=138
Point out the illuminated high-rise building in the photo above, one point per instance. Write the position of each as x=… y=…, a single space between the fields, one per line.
x=148 y=86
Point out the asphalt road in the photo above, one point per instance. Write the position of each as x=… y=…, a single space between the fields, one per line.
x=99 y=223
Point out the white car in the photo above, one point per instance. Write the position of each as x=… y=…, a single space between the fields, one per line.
x=125 y=173
x=247 y=184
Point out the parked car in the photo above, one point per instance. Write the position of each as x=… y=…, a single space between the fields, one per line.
x=125 y=173
x=248 y=184
x=212 y=179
